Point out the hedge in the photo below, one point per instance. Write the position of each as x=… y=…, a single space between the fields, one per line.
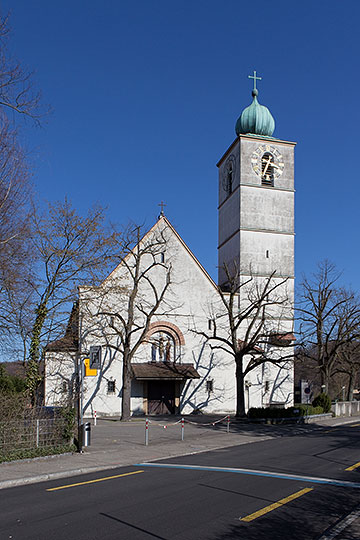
x=290 y=412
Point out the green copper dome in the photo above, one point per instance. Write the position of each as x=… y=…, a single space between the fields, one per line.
x=255 y=119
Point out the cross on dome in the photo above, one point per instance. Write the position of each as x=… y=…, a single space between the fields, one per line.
x=255 y=79
x=255 y=119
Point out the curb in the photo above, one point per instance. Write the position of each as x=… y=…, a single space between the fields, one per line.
x=88 y=470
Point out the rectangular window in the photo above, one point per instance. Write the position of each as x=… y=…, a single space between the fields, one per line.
x=111 y=387
x=64 y=387
x=209 y=386
x=162 y=257
x=95 y=357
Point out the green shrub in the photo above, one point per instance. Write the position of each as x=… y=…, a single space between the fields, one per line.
x=36 y=452
x=290 y=412
x=306 y=410
x=10 y=384
x=13 y=405
x=68 y=413
x=324 y=401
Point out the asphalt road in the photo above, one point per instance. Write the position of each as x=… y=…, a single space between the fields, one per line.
x=295 y=487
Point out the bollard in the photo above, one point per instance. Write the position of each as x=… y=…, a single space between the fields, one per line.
x=94 y=418
x=86 y=434
x=228 y=424
x=182 y=429
x=146 y=432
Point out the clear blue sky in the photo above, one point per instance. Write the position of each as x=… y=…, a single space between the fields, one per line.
x=146 y=95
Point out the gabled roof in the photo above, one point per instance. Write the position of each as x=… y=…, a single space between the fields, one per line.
x=160 y=221
x=69 y=342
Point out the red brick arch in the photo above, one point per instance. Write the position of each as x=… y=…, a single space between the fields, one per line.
x=170 y=328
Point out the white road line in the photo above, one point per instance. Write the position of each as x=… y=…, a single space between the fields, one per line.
x=341 y=526
x=254 y=472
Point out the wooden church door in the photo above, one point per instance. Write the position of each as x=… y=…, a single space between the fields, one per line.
x=161 y=397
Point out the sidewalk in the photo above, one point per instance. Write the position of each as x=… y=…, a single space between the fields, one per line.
x=115 y=444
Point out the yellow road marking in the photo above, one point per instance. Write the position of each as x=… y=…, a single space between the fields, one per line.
x=353 y=466
x=355 y=425
x=93 y=481
x=271 y=507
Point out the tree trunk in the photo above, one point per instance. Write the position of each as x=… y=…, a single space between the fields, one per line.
x=240 y=393
x=33 y=377
x=351 y=386
x=126 y=389
x=324 y=380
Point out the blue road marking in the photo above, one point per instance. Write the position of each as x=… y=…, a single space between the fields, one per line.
x=270 y=474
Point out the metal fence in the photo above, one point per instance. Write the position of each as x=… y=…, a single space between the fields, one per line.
x=29 y=433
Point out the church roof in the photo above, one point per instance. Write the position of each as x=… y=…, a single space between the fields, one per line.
x=164 y=371
x=69 y=342
x=256 y=119
x=163 y=220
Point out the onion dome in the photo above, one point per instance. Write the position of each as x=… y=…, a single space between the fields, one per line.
x=255 y=119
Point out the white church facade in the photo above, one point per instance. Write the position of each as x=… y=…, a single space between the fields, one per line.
x=175 y=367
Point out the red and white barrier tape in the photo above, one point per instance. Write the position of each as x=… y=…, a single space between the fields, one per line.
x=156 y=424
x=207 y=424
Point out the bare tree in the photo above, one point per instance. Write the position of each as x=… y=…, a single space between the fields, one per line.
x=16 y=258
x=17 y=91
x=120 y=311
x=329 y=319
x=348 y=364
x=68 y=248
x=18 y=99
x=246 y=321
x=17 y=314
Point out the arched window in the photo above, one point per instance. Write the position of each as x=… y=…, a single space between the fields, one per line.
x=162 y=347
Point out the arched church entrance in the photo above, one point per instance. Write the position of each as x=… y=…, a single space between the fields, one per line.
x=163 y=374
x=161 y=394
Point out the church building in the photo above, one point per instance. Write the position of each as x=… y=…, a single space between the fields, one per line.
x=159 y=309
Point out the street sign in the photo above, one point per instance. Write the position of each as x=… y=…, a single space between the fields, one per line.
x=306 y=391
x=88 y=371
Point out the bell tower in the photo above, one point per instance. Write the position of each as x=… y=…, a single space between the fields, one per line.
x=256 y=206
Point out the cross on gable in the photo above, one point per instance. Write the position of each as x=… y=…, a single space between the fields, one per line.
x=162 y=204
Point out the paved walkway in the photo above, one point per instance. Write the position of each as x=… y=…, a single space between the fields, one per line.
x=115 y=444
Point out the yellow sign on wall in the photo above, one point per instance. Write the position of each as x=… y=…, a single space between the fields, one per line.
x=88 y=371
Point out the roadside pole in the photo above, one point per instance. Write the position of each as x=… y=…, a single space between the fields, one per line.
x=80 y=389
x=146 y=432
x=79 y=382
x=82 y=393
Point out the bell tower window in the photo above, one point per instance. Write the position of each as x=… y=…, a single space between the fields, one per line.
x=267 y=169
x=230 y=178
